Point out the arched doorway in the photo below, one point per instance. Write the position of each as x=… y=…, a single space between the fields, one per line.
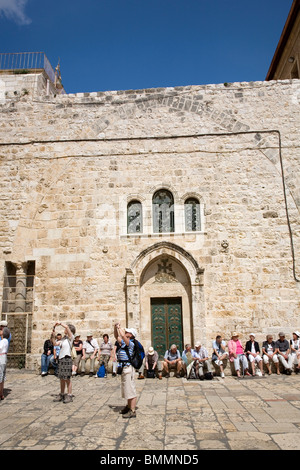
x=164 y=297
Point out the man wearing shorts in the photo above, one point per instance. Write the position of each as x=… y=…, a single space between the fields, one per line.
x=125 y=337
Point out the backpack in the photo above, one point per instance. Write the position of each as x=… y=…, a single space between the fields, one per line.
x=208 y=376
x=101 y=371
x=151 y=374
x=138 y=355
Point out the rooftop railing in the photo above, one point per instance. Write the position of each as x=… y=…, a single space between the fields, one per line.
x=26 y=61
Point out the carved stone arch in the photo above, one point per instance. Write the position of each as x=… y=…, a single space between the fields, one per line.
x=138 y=308
x=191 y=194
x=201 y=209
x=136 y=197
x=166 y=186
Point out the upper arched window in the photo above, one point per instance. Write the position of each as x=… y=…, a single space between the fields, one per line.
x=134 y=217
x=192 y=215
x=163 y=211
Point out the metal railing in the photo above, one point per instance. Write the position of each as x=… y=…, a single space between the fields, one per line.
x=23 y=61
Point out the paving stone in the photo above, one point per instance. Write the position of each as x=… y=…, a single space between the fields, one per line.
x=172 y=414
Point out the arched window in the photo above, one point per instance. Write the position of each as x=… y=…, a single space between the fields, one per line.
x=134 y=217
x=163 y=211
x=192 y=215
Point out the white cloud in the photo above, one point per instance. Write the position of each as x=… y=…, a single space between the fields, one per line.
x=14 y=10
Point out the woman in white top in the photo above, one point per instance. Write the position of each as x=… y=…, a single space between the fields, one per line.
x=65 y=362
x=3 y=359
x=295 y=349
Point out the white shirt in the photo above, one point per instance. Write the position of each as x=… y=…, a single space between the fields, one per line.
x=201 y=354
x=90 y=348
x=65 y=347
x=3 y=350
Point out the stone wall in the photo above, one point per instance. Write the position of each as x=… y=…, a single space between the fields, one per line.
x=70 y=164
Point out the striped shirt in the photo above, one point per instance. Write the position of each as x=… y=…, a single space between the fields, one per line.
x=122 y=354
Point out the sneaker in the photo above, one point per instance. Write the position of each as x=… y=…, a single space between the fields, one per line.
x=130 y=414
x=44 y=373
x=125 y=410
x=59 y=397
x=67 y=398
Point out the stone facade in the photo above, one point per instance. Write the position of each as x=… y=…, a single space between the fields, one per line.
x=70 y=165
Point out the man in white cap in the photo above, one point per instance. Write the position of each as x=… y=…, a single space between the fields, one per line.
x=125 y=337
x=252 y=352
x=200 y=354
x=90 y=349
x=151 y=365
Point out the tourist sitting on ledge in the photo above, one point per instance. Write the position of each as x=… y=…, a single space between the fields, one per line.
x=253 y=353
x=200 y=356
x=268 y=349
x=283 y=352
x=173 y=361
x=236 y=355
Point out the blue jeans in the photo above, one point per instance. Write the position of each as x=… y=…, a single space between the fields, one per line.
x=46 y=361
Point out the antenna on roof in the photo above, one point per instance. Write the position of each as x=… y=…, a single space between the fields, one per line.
x=57 y=78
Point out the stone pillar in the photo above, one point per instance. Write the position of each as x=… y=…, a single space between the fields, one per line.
x=21 y=275
x=132 y=301
x=198 y=308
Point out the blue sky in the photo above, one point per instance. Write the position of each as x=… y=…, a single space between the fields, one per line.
x=134 y=44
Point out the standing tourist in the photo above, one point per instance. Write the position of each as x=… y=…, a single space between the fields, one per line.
x=64 y=372
x=4 y=335
x=124 y=354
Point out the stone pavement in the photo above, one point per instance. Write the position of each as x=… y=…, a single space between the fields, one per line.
x=173 y=414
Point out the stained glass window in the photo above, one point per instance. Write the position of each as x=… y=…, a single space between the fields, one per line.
x=163 y=211
x=134 y=217
x=192 y=215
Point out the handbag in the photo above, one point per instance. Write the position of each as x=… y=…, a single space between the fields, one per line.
x=151 y=374
x=73 y=352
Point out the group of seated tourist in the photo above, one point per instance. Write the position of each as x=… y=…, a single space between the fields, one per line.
x=192 y=363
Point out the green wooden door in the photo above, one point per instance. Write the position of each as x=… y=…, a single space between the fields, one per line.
x=166 y=323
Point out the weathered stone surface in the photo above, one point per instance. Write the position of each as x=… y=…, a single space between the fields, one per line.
x=70 y=164
x=31 y=420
